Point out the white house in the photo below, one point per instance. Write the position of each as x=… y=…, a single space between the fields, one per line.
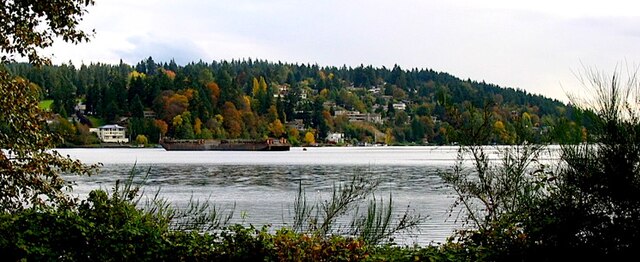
x=336 y=138
x=399 y=106
x=111 y=134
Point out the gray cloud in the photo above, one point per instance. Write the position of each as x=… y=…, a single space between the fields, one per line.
x=182 y=51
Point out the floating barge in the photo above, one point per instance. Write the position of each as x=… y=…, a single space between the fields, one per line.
x=225 y=145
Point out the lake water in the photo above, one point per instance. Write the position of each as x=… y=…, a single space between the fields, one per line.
x=263 y=185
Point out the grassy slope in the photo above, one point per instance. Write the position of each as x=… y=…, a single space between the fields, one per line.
x=46 y=104
x=96 y=122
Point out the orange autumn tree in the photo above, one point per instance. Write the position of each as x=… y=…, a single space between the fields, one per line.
x=232 y=120
x=173 y=104
x=215 y=92
x=170 y=74
x=162 y=125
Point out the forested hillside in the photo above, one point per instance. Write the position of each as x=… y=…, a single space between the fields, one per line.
x=254 y=99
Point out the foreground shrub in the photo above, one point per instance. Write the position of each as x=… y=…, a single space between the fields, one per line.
x=292 y=246
x=44 y=236
x=444 y=252
x=119 y=231
x=595 y=213
x=102 y=229
x=588 y=209
x=110 y=228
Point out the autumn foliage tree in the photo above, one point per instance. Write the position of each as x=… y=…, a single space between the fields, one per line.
x=232 y=120
x=214 y=91
x=309 y=138
x=173 y=104
x=276 y=128
x=29 y=170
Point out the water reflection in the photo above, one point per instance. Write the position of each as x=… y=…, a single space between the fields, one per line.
x=266 y=193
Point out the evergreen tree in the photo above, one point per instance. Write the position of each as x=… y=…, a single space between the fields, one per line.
x=151 y=67
x=318 y=120
x=136 y=88
x=228 y=92
x=137 y=109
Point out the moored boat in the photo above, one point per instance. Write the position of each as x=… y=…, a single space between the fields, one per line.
x=269 y=144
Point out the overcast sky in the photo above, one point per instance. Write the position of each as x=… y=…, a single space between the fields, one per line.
x=536 y=46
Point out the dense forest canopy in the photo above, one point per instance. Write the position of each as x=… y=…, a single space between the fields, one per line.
x=254 y=99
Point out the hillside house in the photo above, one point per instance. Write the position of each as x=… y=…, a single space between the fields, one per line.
x=400 y=106
x=335 y=138
x=111 y=134
x=281 y=91
x=149 y=114
x=355 y=116
x=297 y=124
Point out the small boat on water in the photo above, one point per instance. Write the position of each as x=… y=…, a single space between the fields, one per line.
x=269 y=144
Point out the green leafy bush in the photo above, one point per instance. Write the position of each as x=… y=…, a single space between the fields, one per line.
x=102 y=229
x=43 y=236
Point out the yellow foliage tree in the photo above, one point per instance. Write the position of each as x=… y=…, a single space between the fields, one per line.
x=498 y=125
x=322 y=75
x=142 y=140
x=276 y=128
x=255 y=87
x=309 y=138
x=245 y=104
x=136 y=74
x=174 y=104
x=388 y=137
x=263 y=84
x=324 y=93
x=177 y=120
x=197 y=126
x=502 y=133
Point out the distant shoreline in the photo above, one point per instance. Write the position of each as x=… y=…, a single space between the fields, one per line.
x=107 y=145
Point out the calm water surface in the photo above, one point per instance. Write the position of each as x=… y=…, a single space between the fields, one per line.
x=263 y=185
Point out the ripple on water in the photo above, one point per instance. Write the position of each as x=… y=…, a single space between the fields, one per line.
x=265 y=194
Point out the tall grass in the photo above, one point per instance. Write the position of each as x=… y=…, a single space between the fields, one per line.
x=374 y=226
x=198 y=215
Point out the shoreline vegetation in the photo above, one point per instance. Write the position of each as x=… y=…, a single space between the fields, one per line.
x=247 y=99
